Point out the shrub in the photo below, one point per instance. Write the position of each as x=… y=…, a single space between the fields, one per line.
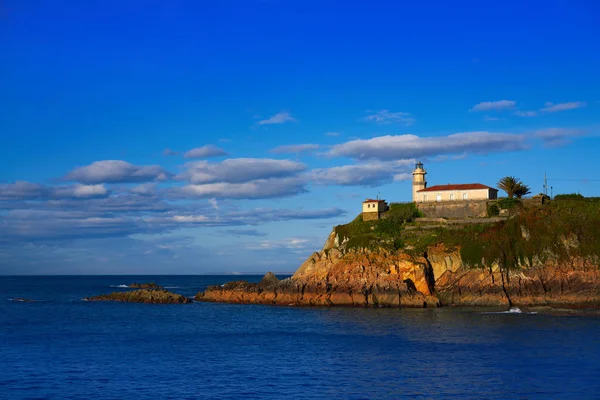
x=570 y=196
x=507 y=203
x=493 y=210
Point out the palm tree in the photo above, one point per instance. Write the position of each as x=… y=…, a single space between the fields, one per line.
x=521 y=190
x=509 y=184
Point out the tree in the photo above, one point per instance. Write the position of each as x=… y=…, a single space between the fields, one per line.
x=509 y=184
x=513 y=187
x=522 y=190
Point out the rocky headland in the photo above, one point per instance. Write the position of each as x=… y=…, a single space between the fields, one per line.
x=143 y=296
x=542 y=256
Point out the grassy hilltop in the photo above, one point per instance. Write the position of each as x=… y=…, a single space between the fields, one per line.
x=566 y=227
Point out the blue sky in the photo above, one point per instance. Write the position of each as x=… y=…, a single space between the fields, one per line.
x=192 y=137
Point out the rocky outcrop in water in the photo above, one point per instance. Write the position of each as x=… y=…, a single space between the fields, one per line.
x=143 y=296
x=150 y=285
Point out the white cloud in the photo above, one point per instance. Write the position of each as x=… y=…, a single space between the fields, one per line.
x=401 y=147
x=525 y=113
x=386 y=117
x=293 y=244
x=551 y=107
x=145 y=189
x=22 y=190
x=190 y=218
x=556 y=137
x=83 y=191
x=256 y=189
x=406 y=176
x=116 y=171
x=372 y=174
x=279 y=118
x=494 y=105
x=239 y=170
x=214 y=204
x=295 y=148
x=332 y=134
x=207 y=151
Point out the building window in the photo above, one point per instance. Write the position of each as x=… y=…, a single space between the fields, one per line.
x=451 y=196
x=424 y=197
x=465 y=196
x=438 y=197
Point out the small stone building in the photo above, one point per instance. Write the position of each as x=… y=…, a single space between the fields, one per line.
x=372 y=209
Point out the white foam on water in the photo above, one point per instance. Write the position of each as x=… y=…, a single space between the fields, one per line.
x=120 y=286
x=513 y=310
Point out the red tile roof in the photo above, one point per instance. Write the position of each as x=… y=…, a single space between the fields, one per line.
x=373 y=201
x=465 y=186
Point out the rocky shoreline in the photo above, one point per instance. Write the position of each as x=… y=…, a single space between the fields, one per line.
x=439 y=277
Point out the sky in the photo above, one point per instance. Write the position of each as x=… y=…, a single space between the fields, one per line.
x=214 y=137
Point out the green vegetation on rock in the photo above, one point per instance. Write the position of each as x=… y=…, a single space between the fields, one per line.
x=561 y=229
x=385 y=232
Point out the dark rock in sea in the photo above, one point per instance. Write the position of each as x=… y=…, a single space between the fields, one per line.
x=23 y=300
x=143 y=296
x=269 y=280
x=150 y=285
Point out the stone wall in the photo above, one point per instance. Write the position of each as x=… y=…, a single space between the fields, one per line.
x=455 y=209
x=370 y=216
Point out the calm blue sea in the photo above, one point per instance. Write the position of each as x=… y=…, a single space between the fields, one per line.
x=60 y=347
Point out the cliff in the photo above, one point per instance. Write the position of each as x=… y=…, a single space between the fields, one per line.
x=547 y=256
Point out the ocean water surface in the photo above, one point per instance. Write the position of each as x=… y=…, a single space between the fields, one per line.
x=60 y=347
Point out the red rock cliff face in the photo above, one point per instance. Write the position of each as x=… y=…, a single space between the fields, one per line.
x=334 y=278
x=379 y=278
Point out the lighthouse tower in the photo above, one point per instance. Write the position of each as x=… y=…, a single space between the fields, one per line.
x=419 y=181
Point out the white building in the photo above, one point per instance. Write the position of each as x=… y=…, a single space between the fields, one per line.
x=451 y=192
x=372 y=209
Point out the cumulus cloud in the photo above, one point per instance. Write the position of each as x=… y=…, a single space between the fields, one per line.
x=550 y=107
x=371 y=174
x=387 y=117
x=240 y=170
x=295 y=148
x=556 y=137
x=121 y=215
x=207 y=151
x=255 y=189
x=494 y=105
x=279 y=118
x=22 y=190
x=410 y=146
x=116 y=171
x=145 y=189
x=80 y=191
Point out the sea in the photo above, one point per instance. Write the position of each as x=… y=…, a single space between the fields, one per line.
x=59 y=346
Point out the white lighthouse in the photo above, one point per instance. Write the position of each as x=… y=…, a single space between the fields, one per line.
x=419 y=181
